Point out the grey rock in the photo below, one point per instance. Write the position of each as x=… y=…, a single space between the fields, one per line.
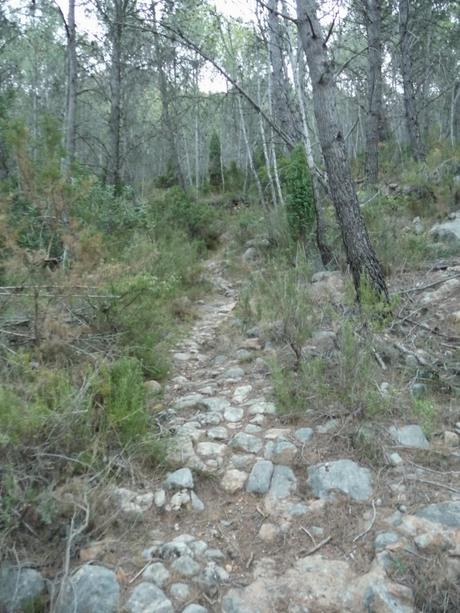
x=303 y=435
x=280 y=452
x=297 y=509
x=20 y=588
x=184 y=538
x=329 y=426
x=130 y=503
x=198 y=547
x=191 y=401
x=233 y=603
x=419 y=390
x=197 y=503
x=409 y=436
x=343 y=475
x=243 y=355
x=219 y=433
x=146 y=598
x=214 y=554
x=444 y=513
x=234 y=373
x=216 y=404
x=180 y=591
x=233 y=480
x=252 y=429
x=246 y=442
x=179 y=500
x=174 y=550
x=262 y=407
x=160 y=498
x=250 y=255
x=210 y=419
x=284 y=482
x=211 y=577
x=210 y=449
x=241 y=393
x=395 y=459
x=91 y=588
x=186 y=566
x=448 y=230
x=383 y=539
x=233 y=414
x=242 y=460
x=180 y=479
x=157 y=572
x=195 y=608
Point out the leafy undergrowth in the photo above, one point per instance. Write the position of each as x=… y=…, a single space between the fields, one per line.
x=96 y=289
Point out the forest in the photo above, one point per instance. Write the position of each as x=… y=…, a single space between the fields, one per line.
x=229 y=306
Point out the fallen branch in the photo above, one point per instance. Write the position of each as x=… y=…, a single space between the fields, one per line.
x=318 y=546
x=370 y=525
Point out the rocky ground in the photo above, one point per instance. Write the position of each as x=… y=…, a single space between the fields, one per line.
x=261 y=514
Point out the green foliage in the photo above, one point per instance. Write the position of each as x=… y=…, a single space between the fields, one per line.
x=298 y=189
x=215 y=172
x=426 y=414
x=124 y=396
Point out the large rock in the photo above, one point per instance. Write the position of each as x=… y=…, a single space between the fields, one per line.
x=444 y=513
x=246 y=442
x=233 y=480
x=409 y=436
x=283 y=484
x=343 y=475
x=280 y=452
x=133 y=504
x=90 y=589
x=448 y=230
x=20 y=588
x=180 y=479
x=260 y=477
x=146 y=598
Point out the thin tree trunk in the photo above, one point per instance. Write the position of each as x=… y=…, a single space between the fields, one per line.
x=114 y=168
x=265 y=150
x=71 y=98
x=249 y=154
x=410 y=107
x=361 y=256
x=374 y=126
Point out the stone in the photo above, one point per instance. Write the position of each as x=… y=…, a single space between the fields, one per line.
x=343 y=475
x=210 y=419
x=297 y=509
x=262 y=408
x=195 y=608
x=243 y=355
x=234 y=373
x=180 y=479
x=277 y=433
x=451 y=439
x=180 y=591
x=233 y=480
x=280 y=452
x=146 y=598
x=158 y=573
x=283 y=483
x=175 y=549
x=211 y=577
x=191 y=401
x=91 y=588
x=261 y=366
x=214 y=554
x=269 y=532
x=329 y=426
x=395 y=459
x=152 y=389
x=432 y=543
x=210 y=449
x=20 y=589
x=132 y=503
x=246 y=442
x=219 y=433
x=419 y=390
x=383 y=539
x=303 y=435
x=185 y=566
x=252 y=429
x=179 y=500
x=159 y=498
x=241 y=393
x=250 y=255
x=198 y=547
x=444 y=513
x=448 y=230
x=197 y=504
x=242 y=460
x=216 y=404
x=233 y=414
x=409 y=436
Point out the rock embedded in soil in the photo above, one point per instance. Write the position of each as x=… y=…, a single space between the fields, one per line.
x=444 y=513
x=197 y=504
x=180 y=591
x=233 y=414
x=246 y=442
x=283 y=483
x=195 y=608
x=157 y=573
x=180 y=479
x=261 y=407
x=210 y=449
x=185 y=566
x=383 y=539
x=304 y=435
x=20 y=588
x=92 y=588
x=409 y=436
x=219 y=433
x=145 y=598
x=130 y=503
x=280 y=452
x=343 y=475
x=234 y=373
x=234 y=480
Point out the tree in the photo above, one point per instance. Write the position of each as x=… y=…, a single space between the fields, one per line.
x=361 y=256
x=71 y=94
x=215 y=167
x=410 y=105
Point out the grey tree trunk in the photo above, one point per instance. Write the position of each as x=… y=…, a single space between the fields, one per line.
x=374 y=127
x=278 y=77
x=361 y=256
x=410 y=106
x=71 y=97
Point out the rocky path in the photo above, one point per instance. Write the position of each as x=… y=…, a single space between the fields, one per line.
x=260 y=515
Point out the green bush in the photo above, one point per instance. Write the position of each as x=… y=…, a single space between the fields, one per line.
x=298 y=189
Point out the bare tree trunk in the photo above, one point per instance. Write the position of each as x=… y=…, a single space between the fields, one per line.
x=249 y=154
x=116 y=35
x=410 y=107
x=361 y=256
x=71 y=94
x=265 y=150
x=374 y=126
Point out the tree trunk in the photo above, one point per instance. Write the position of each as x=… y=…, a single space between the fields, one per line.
x=361 y=256
x=71 y=97
x=116 y=36
x=374 y=128
x=410 y=107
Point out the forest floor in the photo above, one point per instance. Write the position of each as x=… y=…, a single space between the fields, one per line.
x=264 y=512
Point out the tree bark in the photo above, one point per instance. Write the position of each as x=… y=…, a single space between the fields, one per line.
x=361 y=256
x=71 y=97
x=374 y=128
x=410 y=106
